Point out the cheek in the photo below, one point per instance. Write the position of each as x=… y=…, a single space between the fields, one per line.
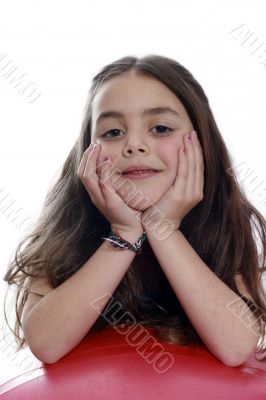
x=107 y=150
x=169 y=156
x=171 y=162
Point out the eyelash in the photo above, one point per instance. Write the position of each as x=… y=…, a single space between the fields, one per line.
x=169 y=130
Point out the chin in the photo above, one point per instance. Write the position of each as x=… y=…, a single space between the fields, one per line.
x=140 y=206
x=141 y=200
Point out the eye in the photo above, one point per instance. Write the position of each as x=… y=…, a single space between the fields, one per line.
x=111 y=130
x=160 y=133
x=164 y=127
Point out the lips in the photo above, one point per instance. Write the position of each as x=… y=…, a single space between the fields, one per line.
x=140 y=171
x=141 y=174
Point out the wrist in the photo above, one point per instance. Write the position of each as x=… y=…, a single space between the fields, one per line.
x=160 y=231
x=126 y=239
x=130 y=235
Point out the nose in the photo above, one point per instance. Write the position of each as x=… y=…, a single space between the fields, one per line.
x=135 y=146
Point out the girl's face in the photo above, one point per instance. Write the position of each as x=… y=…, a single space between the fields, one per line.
x=135 y=137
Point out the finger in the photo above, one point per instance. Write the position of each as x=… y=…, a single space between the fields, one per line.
x=90 y=176
x=182 y=170
x=83 y=161
x=93 y=159
x=199 y=165
x=191 y=176
x=105 y=180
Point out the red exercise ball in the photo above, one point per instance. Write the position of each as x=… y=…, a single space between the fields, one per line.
x=133 y=364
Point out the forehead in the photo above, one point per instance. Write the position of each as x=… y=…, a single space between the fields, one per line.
x=130 y=93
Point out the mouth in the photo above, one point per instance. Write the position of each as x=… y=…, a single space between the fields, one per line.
x=140 y=174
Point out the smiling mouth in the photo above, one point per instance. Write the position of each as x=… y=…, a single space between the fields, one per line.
x=140 y=174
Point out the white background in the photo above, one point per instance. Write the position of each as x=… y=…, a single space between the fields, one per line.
x=60 y=45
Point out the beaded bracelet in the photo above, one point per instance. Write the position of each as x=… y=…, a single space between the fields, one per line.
x=117 y=241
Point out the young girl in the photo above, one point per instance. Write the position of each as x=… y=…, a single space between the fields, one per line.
x=172 y=244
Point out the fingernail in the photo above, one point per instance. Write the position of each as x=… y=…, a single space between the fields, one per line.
x=194 y=133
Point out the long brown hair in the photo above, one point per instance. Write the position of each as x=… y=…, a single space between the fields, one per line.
x=221 y=228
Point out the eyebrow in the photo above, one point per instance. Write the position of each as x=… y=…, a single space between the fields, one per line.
x=147 y=111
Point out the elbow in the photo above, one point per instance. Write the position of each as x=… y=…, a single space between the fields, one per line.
x=43 y=352
x=233 y=362
x=38 y=349
x=42 y=356
x=49 y=362
x=236 y=360
x=39 y=352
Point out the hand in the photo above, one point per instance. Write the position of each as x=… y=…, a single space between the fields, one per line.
x=186 y=191
x=98 y=183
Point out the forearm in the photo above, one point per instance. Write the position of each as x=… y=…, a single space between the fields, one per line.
x=59 y=321
x=205 y=299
